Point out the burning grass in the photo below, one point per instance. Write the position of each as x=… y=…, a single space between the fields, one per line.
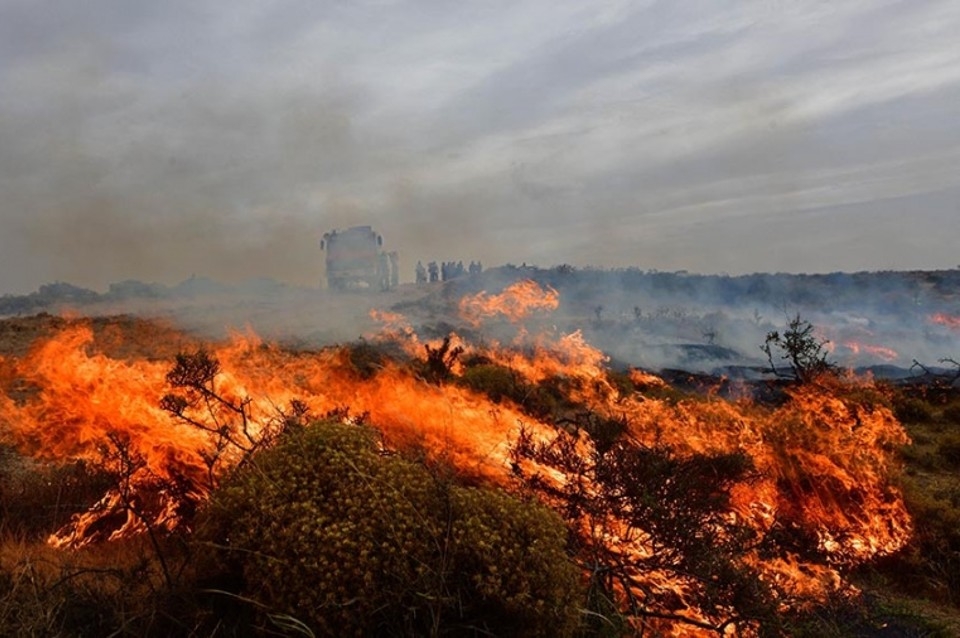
x=794 y=495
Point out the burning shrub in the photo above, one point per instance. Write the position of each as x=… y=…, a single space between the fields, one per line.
x=329 y=529
x=366 y=358
x=677 y=506
x=496 y=381
x=439 y=364
x=547 y=399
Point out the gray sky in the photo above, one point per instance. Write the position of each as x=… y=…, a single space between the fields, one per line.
x=155 y=140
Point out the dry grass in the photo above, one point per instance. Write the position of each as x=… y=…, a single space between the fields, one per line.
x=95 y=591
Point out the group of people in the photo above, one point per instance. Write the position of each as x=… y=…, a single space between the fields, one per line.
x=445 y=271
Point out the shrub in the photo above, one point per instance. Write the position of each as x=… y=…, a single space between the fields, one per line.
x=439 y=364
x=911 y=410
x=327 y=529
x=545 y=400
x=495 y=381
x=680 y=503
x=798 y=345
x=365 y=359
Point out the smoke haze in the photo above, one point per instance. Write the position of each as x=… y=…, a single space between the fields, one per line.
x=155 y=141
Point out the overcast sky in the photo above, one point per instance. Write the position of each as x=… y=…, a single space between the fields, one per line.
x=155 y=140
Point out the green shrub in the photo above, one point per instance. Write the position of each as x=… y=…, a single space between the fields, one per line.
x=495 y=381
x=545 y=400
x=327 y=529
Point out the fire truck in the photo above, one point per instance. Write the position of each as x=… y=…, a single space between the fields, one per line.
x=355 y=260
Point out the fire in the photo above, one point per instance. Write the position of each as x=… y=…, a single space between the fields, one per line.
x=393 y=326
x=88 y=403
x=83 y=404
x=515 y=303
x=823 y=460
x=944 y=319
x=880 y=352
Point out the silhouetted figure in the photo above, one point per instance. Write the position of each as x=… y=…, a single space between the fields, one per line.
x=421 y=274
x=383 y=271
x=394 y=268
x=434 y=271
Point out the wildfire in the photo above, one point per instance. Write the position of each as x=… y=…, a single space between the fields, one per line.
x=944 y=319
x=515 y=303
x=84 y=406
x=823 y=461
x=880 y=352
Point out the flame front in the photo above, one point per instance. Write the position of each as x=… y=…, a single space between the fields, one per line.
x=824 y=460
x=517 y=302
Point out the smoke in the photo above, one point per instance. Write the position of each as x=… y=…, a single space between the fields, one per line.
x=158 y=141
x=880 y=321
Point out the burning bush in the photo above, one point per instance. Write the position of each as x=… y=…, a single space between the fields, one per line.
x=544 y=400
x=329 y=529
x=677 y=506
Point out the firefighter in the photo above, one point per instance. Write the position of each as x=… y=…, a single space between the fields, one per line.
x=383 y=271
x=421 y=274
x=434 y=271
x=394 y=269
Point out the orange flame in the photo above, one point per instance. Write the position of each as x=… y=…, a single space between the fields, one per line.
x=516 y=302
x=880 y=352
x=944 y=319
x=824 y=459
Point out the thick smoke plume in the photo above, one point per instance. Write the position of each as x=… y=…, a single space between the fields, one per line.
x=877 y=322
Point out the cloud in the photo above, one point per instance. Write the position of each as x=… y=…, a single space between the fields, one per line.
x=158 y=141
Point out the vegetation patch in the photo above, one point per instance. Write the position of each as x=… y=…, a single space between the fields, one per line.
x=329 y=529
